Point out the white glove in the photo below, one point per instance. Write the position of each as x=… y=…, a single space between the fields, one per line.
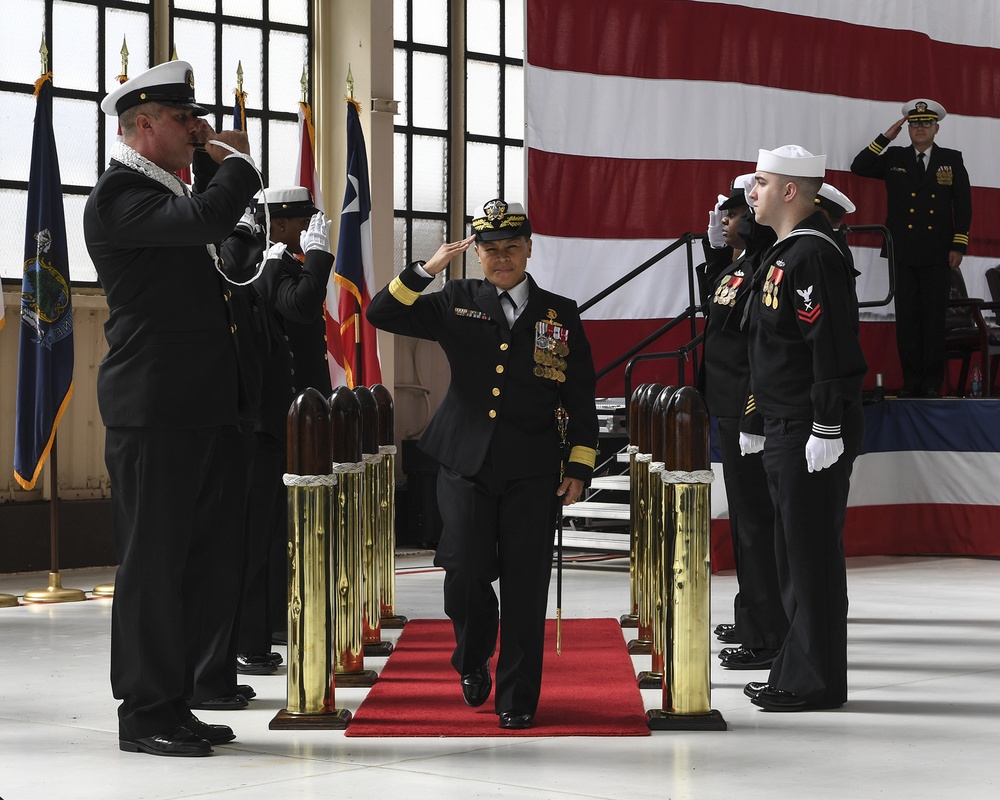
x=716 y=234
x=317 y=235
x=249 y=223
x=750 y=443
x=822 y=453
x=276 y=250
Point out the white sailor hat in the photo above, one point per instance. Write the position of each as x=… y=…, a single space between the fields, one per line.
x=501 y=220
x=285 y=201
x=790 y=159
x=170 y=83
x=923 y=109
x=834 y=200
x=738 y=192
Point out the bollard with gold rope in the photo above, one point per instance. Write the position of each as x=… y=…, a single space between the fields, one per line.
x=345 y=453
x=312 y=623
x=371 y=540
x=631 y=619
x=387 y=518
x=653 y=678
x=643 y=643
x=687 y=469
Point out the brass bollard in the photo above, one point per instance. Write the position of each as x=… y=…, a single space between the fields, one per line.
x=643 y=643
x=631 y=619
x=687 y=568
x=387 y=518
x=312 y=622
x=371 y=540
x=653 y=679
x=345 y=454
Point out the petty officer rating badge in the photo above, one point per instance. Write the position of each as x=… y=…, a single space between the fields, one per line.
x=551 y=348
x=809 y=312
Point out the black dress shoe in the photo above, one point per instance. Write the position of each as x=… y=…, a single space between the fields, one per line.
x=213 y=734
x=728 y=635
x=725 y=652
x=228 y=703
x=255 y=663
x=246 y=690
x=476 y=686
x=749 y=658
x=178 y=742
x=513 y=721
x=771 y=699
x=754 y=688
x=276 y=658
x=721 y=628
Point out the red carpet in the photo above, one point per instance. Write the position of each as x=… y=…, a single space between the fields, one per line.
x=589 y=690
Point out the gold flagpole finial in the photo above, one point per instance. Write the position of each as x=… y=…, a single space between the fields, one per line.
x=124 y=53
x=304 y=83
x=350 y=83
x=239 y=77
x=44 y=52
x=173 y=56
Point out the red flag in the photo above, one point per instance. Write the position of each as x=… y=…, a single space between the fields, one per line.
x=306 y=176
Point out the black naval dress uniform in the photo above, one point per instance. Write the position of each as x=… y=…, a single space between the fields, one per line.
x=168 y=395
x=294 y=292
x=496 y=439
x=806 y=369
x=759 y=617
x=928 y=213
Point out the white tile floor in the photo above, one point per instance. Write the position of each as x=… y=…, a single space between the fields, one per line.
x=923 y=719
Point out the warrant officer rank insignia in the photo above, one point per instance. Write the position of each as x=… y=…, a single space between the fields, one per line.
x=551 y=347
x=771 y=285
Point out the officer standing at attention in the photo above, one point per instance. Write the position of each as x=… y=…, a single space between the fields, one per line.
x=928 y=213
x=293 y=284
x=806 y=370
x=518 y=354
x=168 y=394
x=760 y=622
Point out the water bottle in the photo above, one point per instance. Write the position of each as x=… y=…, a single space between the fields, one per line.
x=879 y=389
x=976 y=384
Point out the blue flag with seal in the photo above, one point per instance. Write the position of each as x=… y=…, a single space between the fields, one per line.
x=45 y=355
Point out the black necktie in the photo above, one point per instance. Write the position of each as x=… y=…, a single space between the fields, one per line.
x=920 y=163
x=513 y=306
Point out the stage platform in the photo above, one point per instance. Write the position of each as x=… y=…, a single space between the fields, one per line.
x=927 y=482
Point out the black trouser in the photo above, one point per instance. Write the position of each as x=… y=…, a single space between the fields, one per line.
x=215 y=672
x=263 y=522
x=810 y=508
x=170 y=535
x=498 y=528
x=760 y=617
x=921 y=295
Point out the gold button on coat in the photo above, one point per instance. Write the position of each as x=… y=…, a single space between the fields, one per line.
x=496 y=392
x=504 y=346
x=499 y=368
x=493 y=413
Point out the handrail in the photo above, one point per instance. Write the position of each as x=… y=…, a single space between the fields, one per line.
x=633 y=356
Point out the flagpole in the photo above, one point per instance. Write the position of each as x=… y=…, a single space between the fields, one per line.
x=54 y=593
x=358 y=365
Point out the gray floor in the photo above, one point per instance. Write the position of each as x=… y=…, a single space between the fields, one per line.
x=923 y=719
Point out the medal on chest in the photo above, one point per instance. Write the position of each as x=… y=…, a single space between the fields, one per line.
x=725 y=292
x=551 y=348
x=772 y=285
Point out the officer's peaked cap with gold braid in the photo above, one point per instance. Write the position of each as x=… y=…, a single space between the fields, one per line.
x=501 y=220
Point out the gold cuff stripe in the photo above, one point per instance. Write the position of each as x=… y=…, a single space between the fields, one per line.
x=751 y=405
x=583 y=455
x=403 y=293
x=876 y=148
x=961 y=238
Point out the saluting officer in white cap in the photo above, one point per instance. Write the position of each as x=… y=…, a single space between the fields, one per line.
x=806 y=371
x=169 y=395
x=928 y=213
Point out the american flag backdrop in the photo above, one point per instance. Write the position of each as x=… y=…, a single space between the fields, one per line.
x=640 y=113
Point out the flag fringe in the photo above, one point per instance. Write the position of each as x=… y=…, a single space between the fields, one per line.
x=29 y=483
x=42 y=80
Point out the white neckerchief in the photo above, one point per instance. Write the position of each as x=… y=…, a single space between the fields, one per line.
x=128 y=157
